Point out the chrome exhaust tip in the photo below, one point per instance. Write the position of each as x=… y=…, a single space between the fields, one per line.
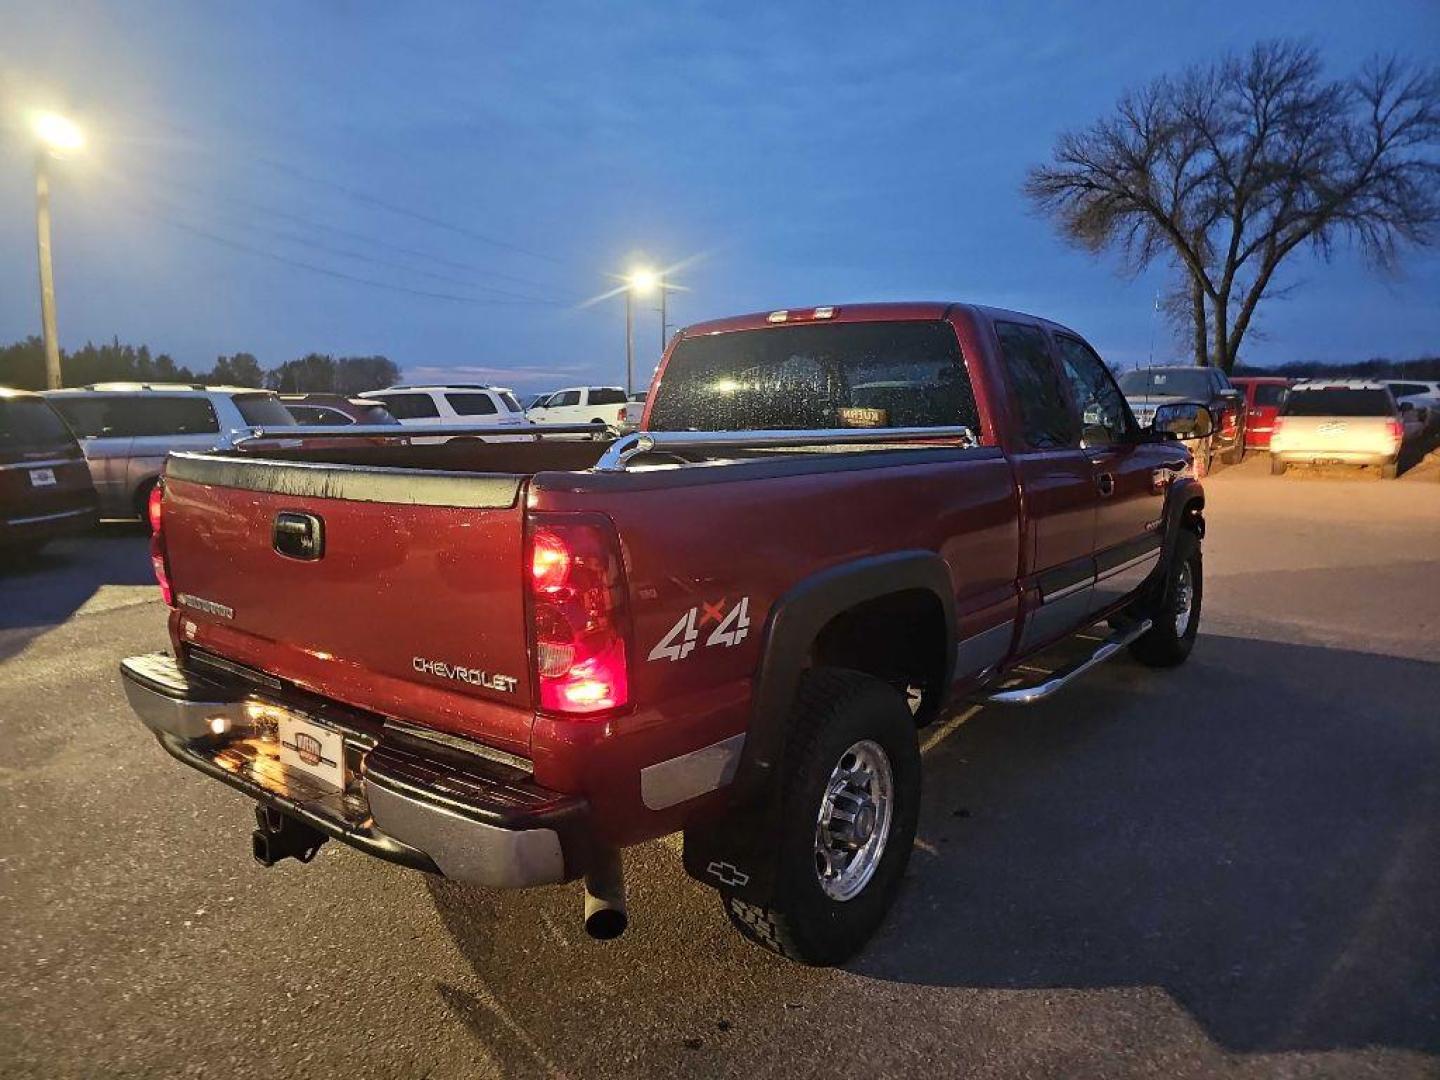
x=605 y=917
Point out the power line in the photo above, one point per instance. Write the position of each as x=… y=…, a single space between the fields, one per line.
x=349 y=253
x=364 y=238
x=405 y=211
x=339 y=274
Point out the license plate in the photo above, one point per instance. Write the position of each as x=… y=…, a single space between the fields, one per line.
x=312 y=749
x=42 y=477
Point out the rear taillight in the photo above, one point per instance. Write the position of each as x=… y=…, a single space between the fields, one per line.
x=159 y=561
x=1395 y=429
x=579 y=620
x=623 y=416
x=1276 y=425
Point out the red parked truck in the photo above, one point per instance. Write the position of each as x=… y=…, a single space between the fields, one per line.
x=1264 y=395
x=504 y=663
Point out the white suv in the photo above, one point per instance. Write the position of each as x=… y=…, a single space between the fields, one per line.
x=127 y=429
x=581 y=405
x=460 y=403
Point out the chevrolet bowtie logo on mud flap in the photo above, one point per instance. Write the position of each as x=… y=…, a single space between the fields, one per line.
x=726 y=874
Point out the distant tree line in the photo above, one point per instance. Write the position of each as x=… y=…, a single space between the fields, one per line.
x=1424 y=369
x=22 y=365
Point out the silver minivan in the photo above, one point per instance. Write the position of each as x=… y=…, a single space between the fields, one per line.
x=127 y=429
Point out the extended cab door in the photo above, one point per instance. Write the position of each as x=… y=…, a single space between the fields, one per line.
x=1058 y=487
x=1130 y=476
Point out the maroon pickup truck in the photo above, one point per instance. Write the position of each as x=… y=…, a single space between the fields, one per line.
x=504 y=662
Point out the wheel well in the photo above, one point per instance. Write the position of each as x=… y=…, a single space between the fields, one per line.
x=899 y=638
x=142 y=496
x=1192 y=516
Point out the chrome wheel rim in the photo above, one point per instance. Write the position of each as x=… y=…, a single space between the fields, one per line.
x=854 y=820
x=1184 y=599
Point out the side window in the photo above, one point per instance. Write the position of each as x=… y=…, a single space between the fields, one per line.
x=318 y=416
x=88 y=417
x=411 y=406
x=1044 y=412
x=1103 y=416
x=605 y=396
x=151 y=416
x=569 y=397
x=477 y=404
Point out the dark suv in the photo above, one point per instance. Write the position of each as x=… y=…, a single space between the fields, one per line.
x=45 y=488
x=1146 y=389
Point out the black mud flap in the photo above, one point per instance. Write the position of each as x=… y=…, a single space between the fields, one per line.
x=738 y=854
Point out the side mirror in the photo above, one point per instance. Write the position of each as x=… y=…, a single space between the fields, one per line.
x=1182 y=420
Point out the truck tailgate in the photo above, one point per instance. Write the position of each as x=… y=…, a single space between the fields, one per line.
x=414 y=608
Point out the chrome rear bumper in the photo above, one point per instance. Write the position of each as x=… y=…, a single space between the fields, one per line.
x=427 y=806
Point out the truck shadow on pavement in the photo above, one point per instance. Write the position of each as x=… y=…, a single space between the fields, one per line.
x=43 y=590
x=1256 y=833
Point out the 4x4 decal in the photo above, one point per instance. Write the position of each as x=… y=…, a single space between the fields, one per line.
x=731 y=629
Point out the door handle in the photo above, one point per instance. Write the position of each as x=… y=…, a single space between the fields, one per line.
x=1106 y=483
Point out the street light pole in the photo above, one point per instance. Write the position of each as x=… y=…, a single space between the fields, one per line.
x=629 y=341
x=47 y=273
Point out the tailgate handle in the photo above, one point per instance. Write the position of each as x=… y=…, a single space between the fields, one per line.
x=298 y=535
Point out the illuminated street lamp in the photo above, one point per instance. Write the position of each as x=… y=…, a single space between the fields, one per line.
x=55 y=136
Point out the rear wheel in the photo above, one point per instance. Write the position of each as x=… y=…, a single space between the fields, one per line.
x=1389 y=472
x=1277 y=467
x=1175 y=617
x=849 y=806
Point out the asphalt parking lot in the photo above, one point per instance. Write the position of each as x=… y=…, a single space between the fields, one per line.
x=1228 y=869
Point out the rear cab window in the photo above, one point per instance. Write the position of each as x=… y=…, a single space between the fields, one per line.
x=318 y=416
x=1339 y=401
x=833 y=375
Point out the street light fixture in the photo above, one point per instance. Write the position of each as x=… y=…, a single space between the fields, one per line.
x=55 y=136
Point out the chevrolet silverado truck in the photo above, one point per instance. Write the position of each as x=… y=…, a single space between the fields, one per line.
x=504 y=663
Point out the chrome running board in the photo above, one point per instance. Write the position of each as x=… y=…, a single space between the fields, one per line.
x=1029 y=695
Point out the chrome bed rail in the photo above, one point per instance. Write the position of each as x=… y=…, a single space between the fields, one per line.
x=422 y=431
x=619 y=453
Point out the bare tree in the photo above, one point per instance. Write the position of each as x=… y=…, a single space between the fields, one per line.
x=1227 y=169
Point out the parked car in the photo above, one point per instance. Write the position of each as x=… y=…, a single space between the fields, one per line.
x=127 y=429
x=1340 y=422
x=1264 y=394
x=581 y=405
x=335 y=410
x=458 y=403
x=1422 y=397
x=709 y=626
x=1148 y=388
x=45 y=486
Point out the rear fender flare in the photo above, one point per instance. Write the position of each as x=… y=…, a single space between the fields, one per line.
x=792 y=627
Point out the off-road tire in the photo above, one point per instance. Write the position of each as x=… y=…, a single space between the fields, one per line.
x=1236 y=453
x=834 y=709
x=1389 y=472
x=1163 y=645
x=1277 y=467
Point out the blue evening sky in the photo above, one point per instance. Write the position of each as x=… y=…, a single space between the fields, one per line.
x=485 y=157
